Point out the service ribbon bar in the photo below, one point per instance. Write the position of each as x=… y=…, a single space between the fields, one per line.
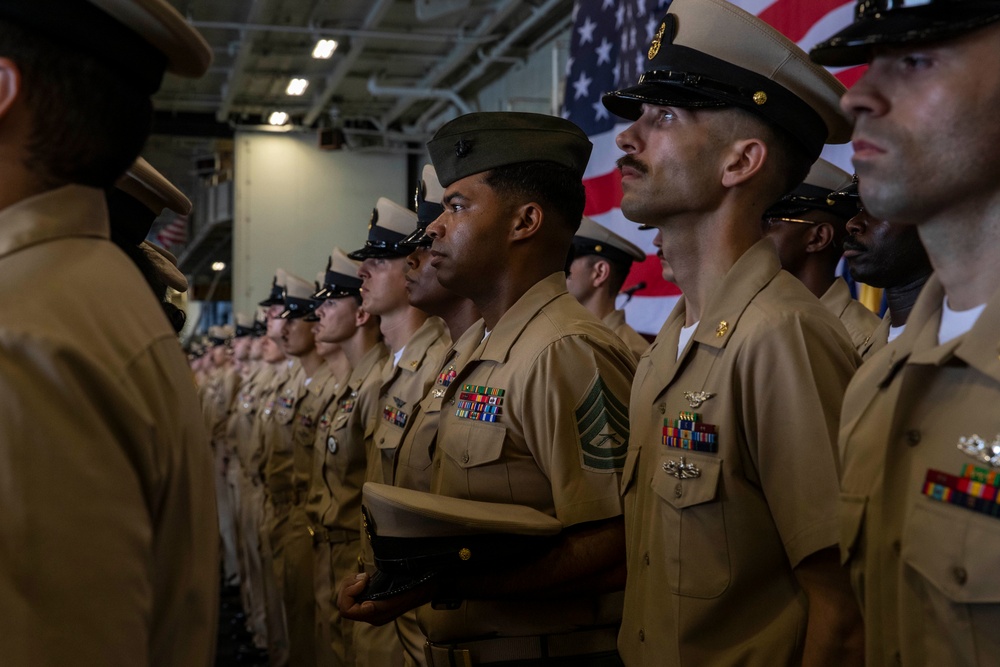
x=689 y=432
x=961 y=491
x=480 y=403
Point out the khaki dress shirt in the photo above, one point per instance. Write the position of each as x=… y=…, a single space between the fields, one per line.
x=731 y=478
x=615 y=321
x=920 y=526
x=403 y=386
x=856 y=318
x=877 y=340
x=537 y=416
x=108 y=530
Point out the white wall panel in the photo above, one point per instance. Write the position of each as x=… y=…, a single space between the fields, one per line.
x=294 y=202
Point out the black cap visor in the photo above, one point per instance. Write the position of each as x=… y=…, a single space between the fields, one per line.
x=296 y=308
x=876 y=26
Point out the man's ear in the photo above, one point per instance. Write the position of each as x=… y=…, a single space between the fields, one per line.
x=10 y=84
x=600 y=272
x=745 y=158
x=361 y=317
x=820 y=236
x=527 y=221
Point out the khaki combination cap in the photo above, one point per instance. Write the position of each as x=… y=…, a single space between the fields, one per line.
x=816 y=192
x=390 y=223
x=416 y=536
x=901 y=22
x=594 y=238
x=712 y=54
x=140 y=39
x=244 y=325
x=164 y=266
x=340 y=278
x=298 y=297
x=276 y=297
x=427 y=202
x=479 y=142
x=220 y=334
x=144 y=183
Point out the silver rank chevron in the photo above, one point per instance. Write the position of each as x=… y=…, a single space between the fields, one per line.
x=979 y=449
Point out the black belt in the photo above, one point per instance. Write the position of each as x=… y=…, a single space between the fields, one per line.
x=505 y=649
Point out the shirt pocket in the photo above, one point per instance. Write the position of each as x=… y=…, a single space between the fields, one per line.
x=474 y=450
x=951 y=591
x=696 y=546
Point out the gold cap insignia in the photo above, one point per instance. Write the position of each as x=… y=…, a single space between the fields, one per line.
x=599 y=248
x=722 y=329
x=759 y=98
x=464 y=553
x=654 y=47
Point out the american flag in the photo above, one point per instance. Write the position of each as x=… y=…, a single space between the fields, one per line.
x=174 y=232
x=608 y=51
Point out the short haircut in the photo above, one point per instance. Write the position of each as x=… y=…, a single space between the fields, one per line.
x=789 y=162
x=617 y=273
x=557 y=188
x=88 y=124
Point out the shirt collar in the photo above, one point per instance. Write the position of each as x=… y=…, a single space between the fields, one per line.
x=513 y=322
x=72 y=210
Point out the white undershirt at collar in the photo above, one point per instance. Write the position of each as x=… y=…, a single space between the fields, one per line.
x=396 y=357
x=954 y=323
x=685 y=336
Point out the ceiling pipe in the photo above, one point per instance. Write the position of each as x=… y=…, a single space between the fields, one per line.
x=231 y=87
x=456 y=58
x=421 y=93
x=433 y=37
x=538 y=14
x=372 y=19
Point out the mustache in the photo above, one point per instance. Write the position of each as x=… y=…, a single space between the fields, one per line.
x=850 y=243
x=631 y=162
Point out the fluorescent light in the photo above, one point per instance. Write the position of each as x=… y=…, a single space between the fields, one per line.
x=278 y=118
x=297 y=86
x=218 y=266
x=324 y=48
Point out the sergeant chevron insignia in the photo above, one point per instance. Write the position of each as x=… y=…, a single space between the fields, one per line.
x=602 y=421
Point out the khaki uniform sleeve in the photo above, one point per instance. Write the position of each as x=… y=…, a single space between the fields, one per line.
x=795 y=378
x=576 y=424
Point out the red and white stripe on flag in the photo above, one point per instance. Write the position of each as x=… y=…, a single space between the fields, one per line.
x=607 y=51
x=173 y=233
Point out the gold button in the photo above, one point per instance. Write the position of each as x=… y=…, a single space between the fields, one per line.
x=645 y=557
x=464 y=554
x=759 y=98
x=465 y=457
x=913 y=437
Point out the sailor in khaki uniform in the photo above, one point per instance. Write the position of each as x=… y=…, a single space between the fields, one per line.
x=920 y=433
x=424 y=291
x=601 y=262
x=808 y=227
x=417 y=342
x=339 y=466
x=731 y=480
x=107 y=520
x=888 y=256
x=541 y=400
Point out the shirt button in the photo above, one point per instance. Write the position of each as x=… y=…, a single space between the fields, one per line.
x=465 y=457
x=913 y=437
x=645 y=557
x=960 y=575
x=642 y=635
x=897 y=548
x=451 y=402
x=899 y=658
x=381 y=441
x=678 y=490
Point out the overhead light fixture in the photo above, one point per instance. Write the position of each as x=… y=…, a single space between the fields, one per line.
x=324 y=48
x=218 y=266
x=278 y=118
x=297 y=86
